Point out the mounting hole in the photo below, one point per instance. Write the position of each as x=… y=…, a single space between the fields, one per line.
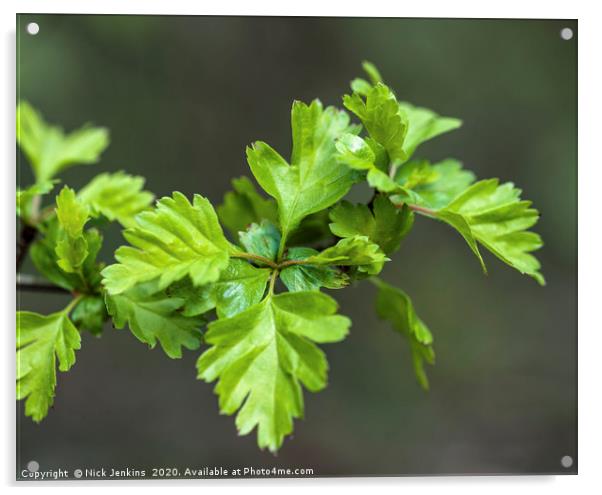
x=566 y=461
x=33 y=28
x=33 y=466
x=566 y=33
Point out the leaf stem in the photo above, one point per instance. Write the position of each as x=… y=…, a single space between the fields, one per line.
x=286 y=263
x=255 y=257
x=273 y=282
x=72 y=304
x=419 y=209
x=267 y=261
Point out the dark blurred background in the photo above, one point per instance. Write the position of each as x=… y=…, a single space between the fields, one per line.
x=183 y=96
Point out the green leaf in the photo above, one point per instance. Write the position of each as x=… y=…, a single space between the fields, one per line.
x=240 y=285
x=361 y=154
x=353 y=251
x=173 y=240
x=372 y=72
x=435 y=185
x=394 y=305
x=49 y=150
x=117 y=196
x=72 y=246
x=386 y=225
x=40 y=341
x=71 y=212
x=495 y=217
x=262 y=240
x=380 y=113
x=90 y=314
x=355 y=152
x=310 y=277
x=44 y=257
x=25 y=198
x=424 y=124
x=314 y=180
x=262 y=356
x=362 y=86
x=153 y=316
x=245 y=206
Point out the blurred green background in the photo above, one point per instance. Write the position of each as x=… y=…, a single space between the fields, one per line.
x=183 y=96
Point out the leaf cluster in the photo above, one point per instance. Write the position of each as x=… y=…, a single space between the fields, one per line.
x=246 y=279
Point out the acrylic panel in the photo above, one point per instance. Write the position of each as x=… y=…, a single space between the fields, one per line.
x=337 y=294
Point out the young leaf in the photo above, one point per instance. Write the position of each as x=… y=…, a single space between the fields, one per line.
x=394 y=305
x=352 y=251
x=386 y=225
x=117 y=196
x=424 y=124
x=419 y=124
x=240 y=286
x=361 y=154
x=40 y=341
x=44 y=257
x=49 y=150
x=262 y=240
x=310 y=277
x=245 y=206
x=153 y=316
x=314 y=180
x=262 y=356
x=435 y=185
x=72 y=246
x=173 y=240
x=495 y=217
x=381 y=115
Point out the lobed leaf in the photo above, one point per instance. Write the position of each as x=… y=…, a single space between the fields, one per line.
x=240 y=286
x=314 y=180
x=435 y=185
x=154 y=316
x=117 y=196
x=495 y=217
x=173 y=240
x=40 y=341
x=263 y=355
x=395 y=306
x=45 y=259
x=380 y=113
x=424 y=125
x=384 y=225
x=71 y=246
x=49 y=150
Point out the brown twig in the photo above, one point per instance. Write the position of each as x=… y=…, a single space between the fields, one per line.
x=26 y=237
x=34 y=284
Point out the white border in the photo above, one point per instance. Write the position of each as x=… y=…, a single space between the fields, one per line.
x=590 y=189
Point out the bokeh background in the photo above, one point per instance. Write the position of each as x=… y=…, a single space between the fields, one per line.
x=183 y=96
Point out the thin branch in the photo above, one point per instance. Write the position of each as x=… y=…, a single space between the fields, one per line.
x=255 y=257
x=286 y=263
x=34 y=284
x=26 y=237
